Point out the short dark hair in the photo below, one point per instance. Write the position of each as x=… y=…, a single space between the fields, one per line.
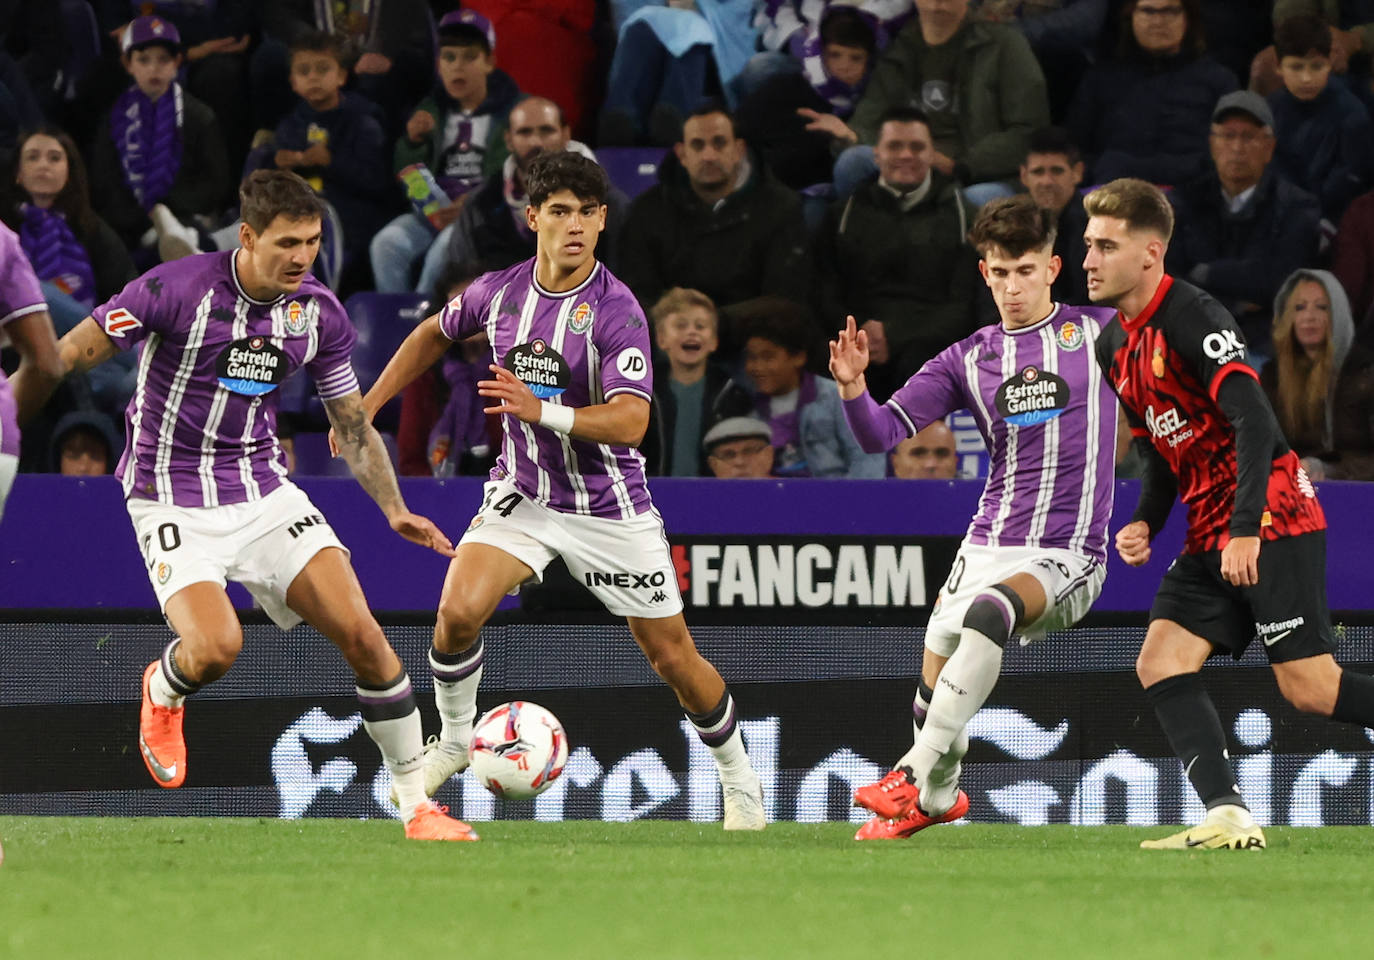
x=848 y=28
x=265 y=195
x=1298 y=36
x=565 y=170
x=1014 y=225
x=904 y=113
x=456 y=273
x=318 y=41
x=706 y=108
x=1194 y=36
x=1142 y=205
x=1054 y=140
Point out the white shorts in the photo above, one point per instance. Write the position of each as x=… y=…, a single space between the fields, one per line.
x=262 y=544
x=626 y=564
x=9 y=466
x=1072 y=584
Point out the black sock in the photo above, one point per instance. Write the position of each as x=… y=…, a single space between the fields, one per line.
x=1191 y=723
x=1355 y=699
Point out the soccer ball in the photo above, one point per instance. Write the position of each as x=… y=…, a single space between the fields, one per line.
x=518 y=750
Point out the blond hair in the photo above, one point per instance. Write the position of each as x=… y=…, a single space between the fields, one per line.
x=1303 y=384
x=1142 y=205
x=679 y=299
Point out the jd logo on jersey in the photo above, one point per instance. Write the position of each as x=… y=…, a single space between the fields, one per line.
x=251 y=367
x=540 y=367
x=1032 y=396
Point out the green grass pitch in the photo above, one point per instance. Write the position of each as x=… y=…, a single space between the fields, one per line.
x=242 y=888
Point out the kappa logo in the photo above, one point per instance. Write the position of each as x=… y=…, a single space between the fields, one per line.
x=580 y=320
x=119 y=322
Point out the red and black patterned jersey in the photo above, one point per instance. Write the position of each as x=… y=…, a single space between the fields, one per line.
x=1166 y=365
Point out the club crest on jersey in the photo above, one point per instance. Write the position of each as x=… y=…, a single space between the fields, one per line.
x=580 y=320
x=1070 y=336
x=164 y=572
x=295 y=322
x=119 y=322
x=540 y=367
x=1157 y=364
x=1032 y=396
x=251 y=367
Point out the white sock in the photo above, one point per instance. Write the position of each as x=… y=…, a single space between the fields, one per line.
x=392 y=719
x=168 y=686
x=456 y=678
x=721 y=735
x=963 y=687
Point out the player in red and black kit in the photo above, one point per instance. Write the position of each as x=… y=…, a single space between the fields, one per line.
x=1254 y=563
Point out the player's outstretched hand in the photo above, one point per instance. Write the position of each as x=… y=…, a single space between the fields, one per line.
x=849 y=354
x=1240 y=561
x=1133 y=543
x=421 y=530
x=512 y=394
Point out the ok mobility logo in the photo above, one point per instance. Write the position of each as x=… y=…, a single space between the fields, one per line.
x=810 y=572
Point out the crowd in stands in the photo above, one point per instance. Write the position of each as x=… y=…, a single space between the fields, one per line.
x=777 y=165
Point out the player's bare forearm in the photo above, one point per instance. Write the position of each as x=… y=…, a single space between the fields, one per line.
x=85 y=346
x=416 y=354
x=620 y=421
x=40 y=367
x=361 y=447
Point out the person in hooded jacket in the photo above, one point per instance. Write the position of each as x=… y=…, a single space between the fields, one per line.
x=1321 y=382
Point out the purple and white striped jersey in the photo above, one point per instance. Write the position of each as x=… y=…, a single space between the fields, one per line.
x=1049 y=419
x=20 y=295
x=202 y=424
x=577 y=348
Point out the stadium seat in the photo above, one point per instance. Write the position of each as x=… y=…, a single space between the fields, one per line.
x=632 y=169
x=83 y=35
x=382 y=320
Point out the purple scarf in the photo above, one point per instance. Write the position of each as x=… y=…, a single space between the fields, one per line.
x=790 y=457
x=806 y=46
x=462 y=426
x=56 y=255
x=147 y=135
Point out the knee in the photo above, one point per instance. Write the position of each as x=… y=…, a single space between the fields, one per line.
x=362 y=641
x=1308 y=697
x=1150 y=668
x=206 y=656
x=670 y=658
x=457 y=625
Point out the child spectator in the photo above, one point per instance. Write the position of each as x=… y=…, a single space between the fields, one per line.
x=785 y=114
x=158 y=160
x=47 y=203
x=738 y=448
x=692 y=391
x=84 y=444
x=1325 y=138
x=803 y=410
x=1321 y=383
x=457 y=134
x=335 y=141
x=443 y=429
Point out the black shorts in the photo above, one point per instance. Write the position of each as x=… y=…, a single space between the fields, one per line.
x=1286 y=609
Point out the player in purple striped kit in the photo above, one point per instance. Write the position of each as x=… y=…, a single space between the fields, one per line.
x=205 y=479
x=1033 y=559
x=25 y=323
x=573 y=382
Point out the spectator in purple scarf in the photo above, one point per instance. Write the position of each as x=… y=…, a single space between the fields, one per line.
x=158 y=158
x=47 y=203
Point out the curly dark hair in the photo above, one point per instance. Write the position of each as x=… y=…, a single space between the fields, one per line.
x=265 y=195
x=565 y=170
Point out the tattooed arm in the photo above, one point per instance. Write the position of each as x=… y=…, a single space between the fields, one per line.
x=361 y=446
